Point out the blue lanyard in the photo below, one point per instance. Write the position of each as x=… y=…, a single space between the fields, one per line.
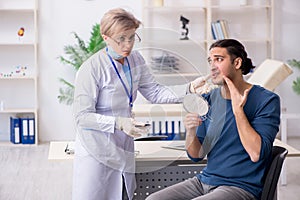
x=129 y=95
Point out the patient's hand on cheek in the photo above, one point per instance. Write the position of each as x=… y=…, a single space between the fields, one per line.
x=237 y=100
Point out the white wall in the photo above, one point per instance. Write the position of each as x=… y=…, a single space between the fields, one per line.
x=58 y=18
x=287 y=32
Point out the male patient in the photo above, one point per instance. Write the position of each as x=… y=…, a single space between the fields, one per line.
x=237 y=136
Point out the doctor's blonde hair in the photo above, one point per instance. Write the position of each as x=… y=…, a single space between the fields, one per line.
x=117 y=20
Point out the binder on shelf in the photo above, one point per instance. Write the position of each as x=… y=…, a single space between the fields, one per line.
x=28 y=130
x=15 y=131
x=24 y=128
x=31 y=130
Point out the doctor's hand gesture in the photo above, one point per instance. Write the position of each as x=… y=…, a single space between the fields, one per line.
x=129 y=126
x=201 y=85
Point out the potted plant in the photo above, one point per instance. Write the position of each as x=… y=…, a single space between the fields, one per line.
x=296 y=83
x=77 y=54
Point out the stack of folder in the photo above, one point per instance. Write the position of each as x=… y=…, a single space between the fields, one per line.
x=22 y=130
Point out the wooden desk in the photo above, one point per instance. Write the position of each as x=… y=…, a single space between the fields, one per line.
x=292 y=152
x=57 y=151
x=151 y=156
x=155 y=165
x=146 y=151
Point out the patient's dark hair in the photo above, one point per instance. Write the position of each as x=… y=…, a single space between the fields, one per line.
x=235 y=49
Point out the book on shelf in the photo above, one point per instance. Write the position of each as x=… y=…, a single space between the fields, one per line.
x=219 y=29
x=224 y=27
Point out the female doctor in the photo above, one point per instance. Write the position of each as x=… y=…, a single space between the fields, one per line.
x=105 y=88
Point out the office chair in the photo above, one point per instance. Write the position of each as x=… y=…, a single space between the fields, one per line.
x=270 y=73
x=269 y=190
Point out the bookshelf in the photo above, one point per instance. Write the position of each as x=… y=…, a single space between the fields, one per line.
x=18 y=64
x=249 y=21
x=162 y=34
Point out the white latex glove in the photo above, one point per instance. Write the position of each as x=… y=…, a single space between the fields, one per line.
x=198 y=82
x=128 y=126
x=206 y=88
x=201 y=85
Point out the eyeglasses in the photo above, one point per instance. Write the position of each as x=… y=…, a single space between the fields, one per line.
x=122 y=39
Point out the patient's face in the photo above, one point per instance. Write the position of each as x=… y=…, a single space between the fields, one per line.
x=220 y=63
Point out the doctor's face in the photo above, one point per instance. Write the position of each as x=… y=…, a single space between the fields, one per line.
x=123 y=42
x=221 y=64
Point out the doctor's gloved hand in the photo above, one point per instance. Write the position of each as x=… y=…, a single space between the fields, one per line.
x=199 y=85
x=128 y=126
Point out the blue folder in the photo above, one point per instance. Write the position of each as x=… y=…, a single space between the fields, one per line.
x=28 y=130
x=15 y=130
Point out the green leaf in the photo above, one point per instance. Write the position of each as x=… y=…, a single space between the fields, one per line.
x=75 y=55
x=296 y=83
x=66 y=94
x=96 y=41
x=66 y=83
x=294 y=63
x=296 y=86
x=81 y=43
x=65 y=61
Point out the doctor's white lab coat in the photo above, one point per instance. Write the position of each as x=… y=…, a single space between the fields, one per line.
x=99 y=98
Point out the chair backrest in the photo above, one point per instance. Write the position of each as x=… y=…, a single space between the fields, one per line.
x=273 y=173
x=270 y=73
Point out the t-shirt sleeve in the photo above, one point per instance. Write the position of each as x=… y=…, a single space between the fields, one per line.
x=266 y=123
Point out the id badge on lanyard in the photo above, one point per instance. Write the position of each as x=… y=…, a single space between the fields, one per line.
x=128 y=92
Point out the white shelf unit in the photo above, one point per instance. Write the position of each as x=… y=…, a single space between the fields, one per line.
x=251 y=23
x=18 y=64
x=162 y=36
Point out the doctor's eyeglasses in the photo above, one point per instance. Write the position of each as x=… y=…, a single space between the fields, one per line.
x=122 y=39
